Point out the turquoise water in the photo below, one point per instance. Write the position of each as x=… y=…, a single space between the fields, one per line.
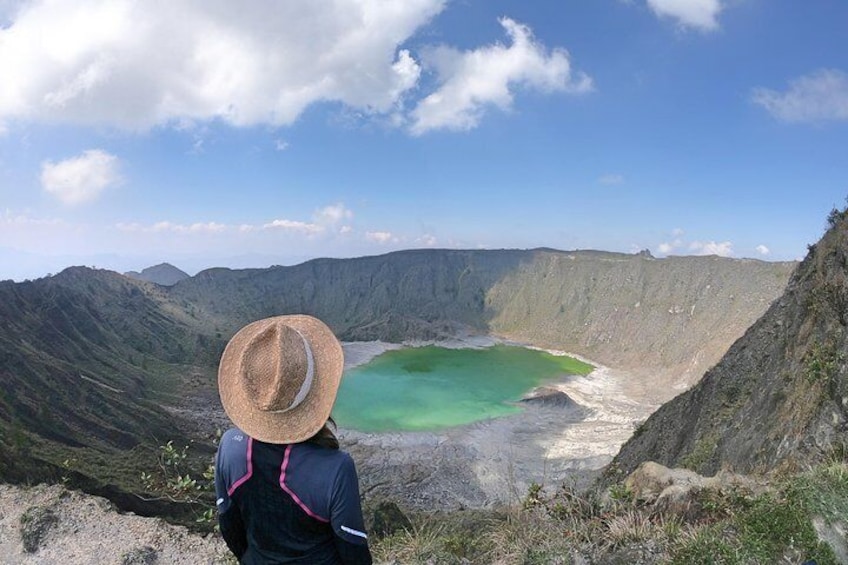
x=427 y=388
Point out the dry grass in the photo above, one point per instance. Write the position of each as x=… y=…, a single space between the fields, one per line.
x=569 y=527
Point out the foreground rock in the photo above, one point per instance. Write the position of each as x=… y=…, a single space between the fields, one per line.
x=682 y=492
x=50 y=524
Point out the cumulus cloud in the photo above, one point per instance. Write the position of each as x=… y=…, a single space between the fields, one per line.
x=723 y=249
x=699 y=14
x=472 y=81
x=676 y=242
x=817 y=97
x=667 y=247
x=763 y=250
x=380 y=237
x=137 y=64
x=82 y=178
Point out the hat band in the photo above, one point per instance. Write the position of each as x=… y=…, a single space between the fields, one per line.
x=307 y=381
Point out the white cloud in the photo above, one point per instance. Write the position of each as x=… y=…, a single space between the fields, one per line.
x=171 y=227
x=281 y=145
x=700 y=14
x=816 y=97
x=611 y=179
x=472 y=81
x=323 y=219
x=80 y=179
x=381 y=237
x=136 y=65
x=332 y=215
x=763 y=250
x=294 y=226
x=666 y=248
x=723 y=249
x=427 y=240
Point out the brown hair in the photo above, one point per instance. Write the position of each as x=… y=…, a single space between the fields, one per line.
x=325 y=436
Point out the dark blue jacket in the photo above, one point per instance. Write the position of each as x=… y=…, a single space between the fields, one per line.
x=296 y=503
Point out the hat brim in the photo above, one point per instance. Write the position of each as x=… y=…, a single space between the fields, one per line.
x=306 y=419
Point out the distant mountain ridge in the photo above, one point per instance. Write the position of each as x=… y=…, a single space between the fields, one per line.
x=673 y=315
x=163 y=274
x=92 y=362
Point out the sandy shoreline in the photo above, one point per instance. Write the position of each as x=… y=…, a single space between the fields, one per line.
x=494 y=461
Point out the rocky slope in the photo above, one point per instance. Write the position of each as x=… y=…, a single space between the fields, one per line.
x=88 y=360
x=779 y=398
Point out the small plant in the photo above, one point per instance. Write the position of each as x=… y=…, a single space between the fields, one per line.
x=822 y=362
x=175 y=479
x=208 y=519
x=619 y=492
x=701 y=453
x=67 y=466
x=534 y=496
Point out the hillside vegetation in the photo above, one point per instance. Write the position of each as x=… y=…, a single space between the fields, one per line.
x=93 y=364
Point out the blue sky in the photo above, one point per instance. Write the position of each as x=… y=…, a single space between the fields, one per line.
x=216 y=133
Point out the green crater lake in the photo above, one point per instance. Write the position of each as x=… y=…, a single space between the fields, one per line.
x=427 y=388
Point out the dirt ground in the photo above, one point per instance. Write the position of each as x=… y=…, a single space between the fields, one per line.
x=48 y=525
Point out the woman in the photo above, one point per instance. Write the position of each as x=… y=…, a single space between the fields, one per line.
x=285 y=492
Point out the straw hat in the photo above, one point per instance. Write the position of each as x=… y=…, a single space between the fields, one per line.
x=279 y=376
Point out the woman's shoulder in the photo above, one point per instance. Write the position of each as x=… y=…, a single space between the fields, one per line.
x=328 y=456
